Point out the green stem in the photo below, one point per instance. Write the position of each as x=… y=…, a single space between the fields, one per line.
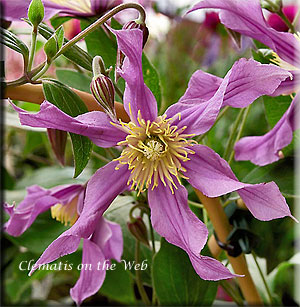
x=232 y=293
x=100 y=157
x=295 y=21
x=205 y=217
x=231 y=139
x=240 y=131
x=99 y=22
x=42 y=72
x=32 y=48
x=263 y=278
x=138 y=279
x=287 y=22
x=221 y=114
x=193 y=203
x=153 y=253
x=152 y=236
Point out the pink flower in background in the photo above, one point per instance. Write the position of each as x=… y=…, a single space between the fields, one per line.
x=277 y=23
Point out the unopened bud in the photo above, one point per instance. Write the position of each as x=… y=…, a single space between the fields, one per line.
x=280 y=154
x=58 y=140
x=54 y=43
x=139 y=230
x=133 y=24
x=36 y=12
x=103 y=91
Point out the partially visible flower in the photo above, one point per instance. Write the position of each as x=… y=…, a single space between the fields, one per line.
x=270 y=144
x=17 y=9
x=159 y=151
x=66 y=199
x=66 y=203
x=277 y=23
x=246 y=17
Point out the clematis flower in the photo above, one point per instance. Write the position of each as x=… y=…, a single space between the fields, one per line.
x=246 y=17
x=17 y=9
x=66 y=203
x=159 y=151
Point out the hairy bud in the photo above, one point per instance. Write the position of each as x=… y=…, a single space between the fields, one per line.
x=139 y=230
x=36 y=12
x=103 y=91
x=133 y=24
x=58 y=140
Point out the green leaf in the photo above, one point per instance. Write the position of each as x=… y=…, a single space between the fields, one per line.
x=275 y=107
x=151 y=79
x=99 y=43
x=69 y=102
x=263 y=56
x=10 y=40
x=176 y=282
x=74 y=79
x=74 y=53
x=123 y=293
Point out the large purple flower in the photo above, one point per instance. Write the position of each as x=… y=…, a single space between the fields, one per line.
x=17 y=9
x=246 y=17
x=66 y=203
x=158 y=151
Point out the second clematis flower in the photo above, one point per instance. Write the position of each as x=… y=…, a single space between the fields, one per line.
x=159 y=151
x=66 y=204
x=246 y=17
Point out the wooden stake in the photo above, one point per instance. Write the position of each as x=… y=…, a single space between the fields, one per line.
x=222 y=227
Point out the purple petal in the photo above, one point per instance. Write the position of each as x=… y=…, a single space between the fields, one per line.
x=95 y=125
x=172 y=218
x=212 y=175
x=197 y=114
x=101 y=190
x=289 y=86
x=262 y=150
x=137 y=94
x=246 y=17
x=108 y=236
x=244 y=82
x=91 y=279
x=250 y=79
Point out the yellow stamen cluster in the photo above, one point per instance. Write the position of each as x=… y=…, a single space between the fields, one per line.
x=82 y=6
x=66 y=214
x=154 y=151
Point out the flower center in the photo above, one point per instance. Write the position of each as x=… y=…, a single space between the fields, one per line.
x=82 y=6
x=66 y=214
x=154 y=151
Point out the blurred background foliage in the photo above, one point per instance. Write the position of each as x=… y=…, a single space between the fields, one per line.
x=181 y=47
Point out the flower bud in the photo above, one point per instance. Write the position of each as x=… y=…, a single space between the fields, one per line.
x=36 y=12
x=103 y=91
x=139 y=230
x=58 y=140
x=54 y=43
